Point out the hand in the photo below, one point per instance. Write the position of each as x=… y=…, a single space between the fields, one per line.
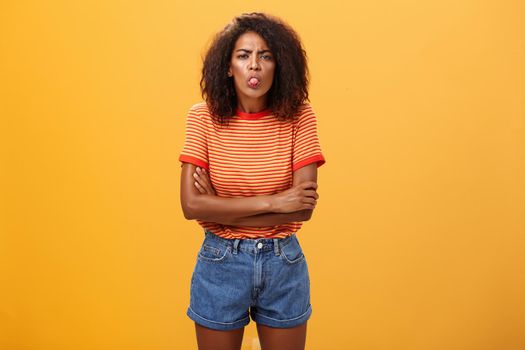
x=203 y=182
x=302 y=196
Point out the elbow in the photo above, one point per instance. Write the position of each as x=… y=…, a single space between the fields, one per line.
x=188 y=209
x=187 y=213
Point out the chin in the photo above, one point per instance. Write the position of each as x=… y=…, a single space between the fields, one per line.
x=256 y=93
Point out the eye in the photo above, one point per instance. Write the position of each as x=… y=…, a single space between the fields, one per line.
x=267 y=57
x=243 y=55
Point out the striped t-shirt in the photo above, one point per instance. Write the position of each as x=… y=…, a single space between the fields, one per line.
x=254 y=155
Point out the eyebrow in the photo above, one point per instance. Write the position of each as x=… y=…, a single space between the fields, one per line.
x=252 y=50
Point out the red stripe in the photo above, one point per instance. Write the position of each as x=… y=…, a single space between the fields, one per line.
x=193 y=160
x=255 y=155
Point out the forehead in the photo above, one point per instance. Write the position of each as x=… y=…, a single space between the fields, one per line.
x=250 y=40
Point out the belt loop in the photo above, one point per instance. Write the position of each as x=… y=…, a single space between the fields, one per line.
x=276 y=246
x=235 y=245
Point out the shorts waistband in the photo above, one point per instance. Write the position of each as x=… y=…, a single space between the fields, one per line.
x=252 y=245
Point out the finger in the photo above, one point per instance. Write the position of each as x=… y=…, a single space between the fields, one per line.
x=201 y=171
x=206 y=178
x=199 y=179
x=309 y=206
x=310 y=200
x=204 y=182
x=199 y=187
x=309 y=184
x=311 y=193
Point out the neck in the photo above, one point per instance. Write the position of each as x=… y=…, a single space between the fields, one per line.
x=252 y=105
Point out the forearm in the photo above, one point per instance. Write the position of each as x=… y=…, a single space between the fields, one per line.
x=271 y=219
x=226 y=210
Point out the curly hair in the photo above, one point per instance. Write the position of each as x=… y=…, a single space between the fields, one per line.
x=289 y=90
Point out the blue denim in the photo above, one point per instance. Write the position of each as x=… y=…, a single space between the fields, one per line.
x=265 y=278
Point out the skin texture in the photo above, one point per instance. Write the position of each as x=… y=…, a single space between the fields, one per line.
x=294 y=204
x=251 y=56
x=304 y=175
x=199 y=199
x=270 y=338
x=211 y=339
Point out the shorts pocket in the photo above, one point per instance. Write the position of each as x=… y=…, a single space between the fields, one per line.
x=292 y=252
x=213 y=251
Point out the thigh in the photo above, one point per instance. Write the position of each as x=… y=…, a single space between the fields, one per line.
x=211 y=339
x=282 y=338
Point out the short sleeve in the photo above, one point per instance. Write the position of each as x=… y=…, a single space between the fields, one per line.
x=195 y=149
x=306 y=146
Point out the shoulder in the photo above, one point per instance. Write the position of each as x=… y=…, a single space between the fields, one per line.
x=304 y=112
x=201 y=111
x=200 y=107
x=305 y=108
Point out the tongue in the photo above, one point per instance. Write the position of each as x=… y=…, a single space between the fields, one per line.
x=254 y=81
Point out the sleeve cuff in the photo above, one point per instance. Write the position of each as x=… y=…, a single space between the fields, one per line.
x=193 y=160
x=317 y=158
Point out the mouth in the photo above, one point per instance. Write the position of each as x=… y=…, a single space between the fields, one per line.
x=254 y=82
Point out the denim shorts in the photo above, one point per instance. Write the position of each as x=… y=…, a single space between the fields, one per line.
x=265 y=278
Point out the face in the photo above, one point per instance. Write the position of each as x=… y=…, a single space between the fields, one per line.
x=252 y=67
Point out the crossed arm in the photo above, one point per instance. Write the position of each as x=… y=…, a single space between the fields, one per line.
x=199 y=201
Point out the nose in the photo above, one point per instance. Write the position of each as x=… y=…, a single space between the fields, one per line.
x=254 y=63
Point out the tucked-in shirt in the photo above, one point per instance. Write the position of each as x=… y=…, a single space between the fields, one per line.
x=256 y=154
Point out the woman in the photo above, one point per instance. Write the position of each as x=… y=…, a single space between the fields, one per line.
x=249 y=178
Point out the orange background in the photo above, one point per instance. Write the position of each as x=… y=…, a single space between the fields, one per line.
x=417 y=241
